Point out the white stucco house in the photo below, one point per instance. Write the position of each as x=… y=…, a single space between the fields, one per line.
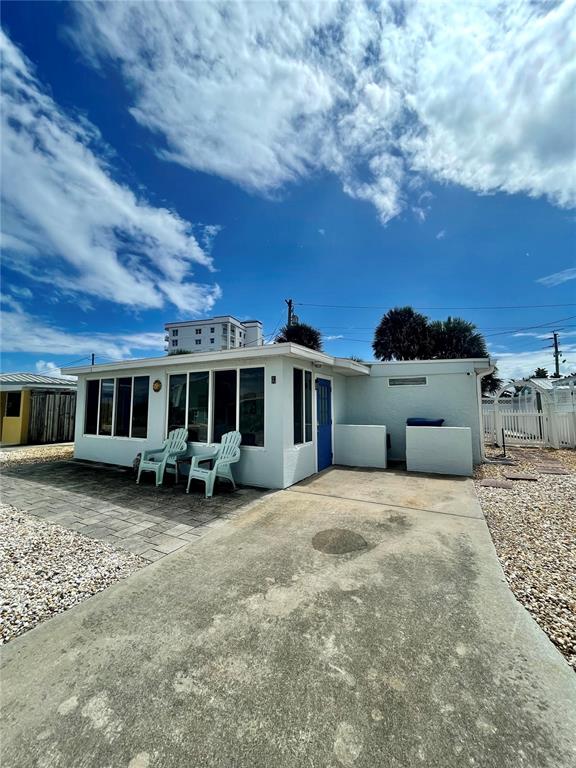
x=298 y=410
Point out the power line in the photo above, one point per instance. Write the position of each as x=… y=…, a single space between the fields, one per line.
x=531 y=327
x=512 y=306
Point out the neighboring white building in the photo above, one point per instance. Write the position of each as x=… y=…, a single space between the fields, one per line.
x=212 y=335
x=291 y=405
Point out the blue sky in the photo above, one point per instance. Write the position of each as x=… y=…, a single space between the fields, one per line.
x=199 y=159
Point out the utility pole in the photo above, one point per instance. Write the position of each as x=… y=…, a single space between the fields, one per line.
x=290 y=311
x=557 y=354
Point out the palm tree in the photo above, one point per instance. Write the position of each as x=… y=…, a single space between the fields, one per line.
x=540 y=373
x=455 y=338
x=402 y=334
x=300 y=333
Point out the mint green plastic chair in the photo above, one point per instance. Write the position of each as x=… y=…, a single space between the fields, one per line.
x=223 y=456
x=156 y=459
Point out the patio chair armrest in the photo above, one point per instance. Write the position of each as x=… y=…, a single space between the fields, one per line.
x=177 y=454
x=204 y=456
x=151 y=452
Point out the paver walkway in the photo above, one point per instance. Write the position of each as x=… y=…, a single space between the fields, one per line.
x=106 y=504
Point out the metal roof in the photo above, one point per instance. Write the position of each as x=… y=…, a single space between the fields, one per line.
x=35 y=378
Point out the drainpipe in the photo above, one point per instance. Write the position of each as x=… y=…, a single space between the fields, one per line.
x=479 y=376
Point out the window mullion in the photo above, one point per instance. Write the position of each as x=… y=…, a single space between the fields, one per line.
x=98 y=413
x=237 y=399
x=210 y=435
x=113 y=425
x=187 y=400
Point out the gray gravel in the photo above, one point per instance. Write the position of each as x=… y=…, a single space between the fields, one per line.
x=533 y=525
x=45 y=569
x=36 y=454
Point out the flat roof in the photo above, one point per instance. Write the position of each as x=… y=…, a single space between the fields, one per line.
x=345 y=365
x=207 y=321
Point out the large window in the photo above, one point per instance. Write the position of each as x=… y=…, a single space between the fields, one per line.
x=106 y=406
x=123 y=404
x=224 y=403
x=211 y=404
x=117 y=407
x=92 y=397
x=140 y=406
x=298 y=400
x=177 y=402
x=308 y=406
x=13 y=401
x=252 y=406
x=302 y=404
x=198 y=393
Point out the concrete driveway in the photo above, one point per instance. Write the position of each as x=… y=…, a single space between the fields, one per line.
x=253 y=649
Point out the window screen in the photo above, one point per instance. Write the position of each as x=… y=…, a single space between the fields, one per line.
x=123 y=401
x=91 y=414
x=198 y=406
x=140 y=406
x=224 y=403
x=298 y=413
x=177 y=401
x=252 y=406
x=106 y=406
x=308 y=406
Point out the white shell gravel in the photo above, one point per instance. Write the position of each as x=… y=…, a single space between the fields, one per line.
x=45 y=569
x=533 y=526
x=36 y=454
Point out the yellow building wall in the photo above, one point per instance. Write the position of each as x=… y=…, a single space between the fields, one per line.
x=2 y=412
x=15 y=428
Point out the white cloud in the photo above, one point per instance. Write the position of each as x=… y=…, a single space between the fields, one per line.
x=441 y=235
x=51 y=369
x=333 y=338
x=384 y=95
x=516 y=365
x=22 y=332
x=67 y=223
x=21 y=291
x=558 y=277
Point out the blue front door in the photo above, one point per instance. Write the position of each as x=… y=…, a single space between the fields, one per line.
x=324 y=421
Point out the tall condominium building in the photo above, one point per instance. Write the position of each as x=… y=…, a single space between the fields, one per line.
x=213 y=335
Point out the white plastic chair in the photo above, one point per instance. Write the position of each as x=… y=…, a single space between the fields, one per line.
x=156 y=459
x=223 y=455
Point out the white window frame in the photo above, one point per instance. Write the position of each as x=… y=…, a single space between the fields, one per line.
x=211 y=372
x=406 y=381
x=113 y=436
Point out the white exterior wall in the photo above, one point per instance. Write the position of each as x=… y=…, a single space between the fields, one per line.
x=252 y=334
x=450 y=394
x=259 y=466
x=360 y=445
x=439 y=450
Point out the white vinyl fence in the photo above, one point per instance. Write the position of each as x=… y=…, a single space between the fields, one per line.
x=556 y=429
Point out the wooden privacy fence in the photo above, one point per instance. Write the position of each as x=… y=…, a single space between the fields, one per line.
x=556 y=429
x=51 y=417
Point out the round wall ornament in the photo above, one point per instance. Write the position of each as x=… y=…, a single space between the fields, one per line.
x=157 y=385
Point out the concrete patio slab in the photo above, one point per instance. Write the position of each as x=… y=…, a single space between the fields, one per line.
x=254 y=649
